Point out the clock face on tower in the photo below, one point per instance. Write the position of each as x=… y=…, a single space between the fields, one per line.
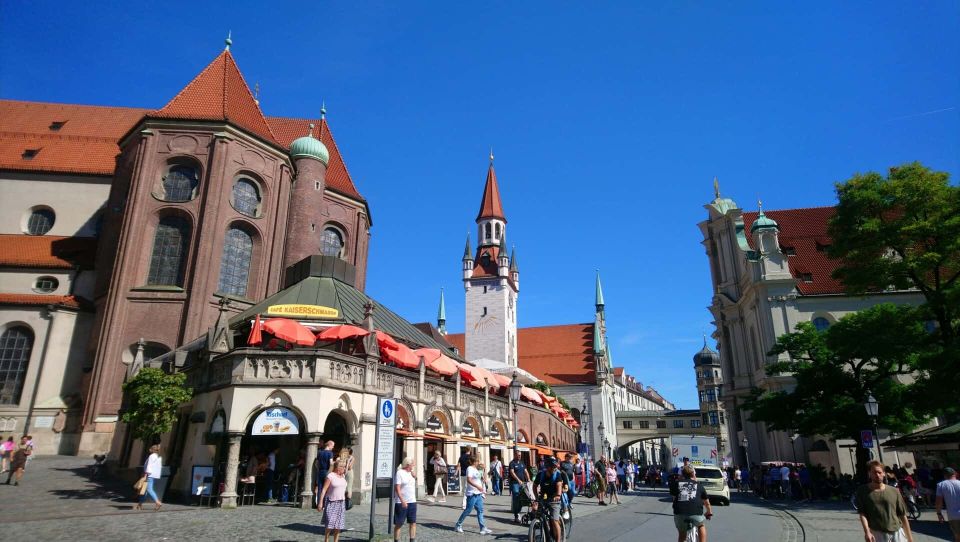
x=486 y=323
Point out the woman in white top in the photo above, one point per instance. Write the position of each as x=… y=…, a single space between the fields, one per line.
x=151 y=472
x=440 y=472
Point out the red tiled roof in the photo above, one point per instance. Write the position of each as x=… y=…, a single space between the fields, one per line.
x=47 y=251
x=490 y=205
x=805 y=231
x=561 y=354
x=486 y=267
x=219 y=92
x=39 y=299
x=86 y=142
x=338 y=178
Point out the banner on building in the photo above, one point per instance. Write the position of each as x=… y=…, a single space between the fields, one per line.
x=276 y=421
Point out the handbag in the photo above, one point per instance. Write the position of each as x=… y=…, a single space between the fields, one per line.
x=348 y=503
x=140 y=486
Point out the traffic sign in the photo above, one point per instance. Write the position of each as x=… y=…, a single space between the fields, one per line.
x=866 y=438
x=386 y=432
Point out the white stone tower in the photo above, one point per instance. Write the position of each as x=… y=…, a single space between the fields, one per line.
x=492 y=280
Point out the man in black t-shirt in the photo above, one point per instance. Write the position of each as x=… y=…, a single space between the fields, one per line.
x=547 y=486
x=689 y=499
x=464 y=462
x=567 y=467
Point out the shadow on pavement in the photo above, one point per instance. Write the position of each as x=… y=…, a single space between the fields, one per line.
x=104 y=488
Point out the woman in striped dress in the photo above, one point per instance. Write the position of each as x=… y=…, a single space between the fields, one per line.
x=332 y=500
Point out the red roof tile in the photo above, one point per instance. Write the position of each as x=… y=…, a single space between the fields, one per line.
x=39 y=299
x=219 y=92
x=338 y=178
x=561 y=354
x=805 y=231
x=85 y=143
x=47 y=251
x=490 y=205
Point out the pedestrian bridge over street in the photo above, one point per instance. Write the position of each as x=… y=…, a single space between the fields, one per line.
x=636 y=426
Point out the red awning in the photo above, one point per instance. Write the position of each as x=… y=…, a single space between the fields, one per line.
x=437 y=362
x=402 y=357
x=531 y=395
x=290 y=331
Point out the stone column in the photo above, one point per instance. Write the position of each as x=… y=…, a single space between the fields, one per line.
x=228 y=499
x=313 y=442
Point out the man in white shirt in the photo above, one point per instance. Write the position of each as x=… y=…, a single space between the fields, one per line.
x=475 y=495
x=271 y=471
x=785 y=481
x=405 y=502
x=948 y=497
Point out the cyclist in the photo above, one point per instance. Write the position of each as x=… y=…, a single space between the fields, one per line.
x=548 y=487
x=689 y=500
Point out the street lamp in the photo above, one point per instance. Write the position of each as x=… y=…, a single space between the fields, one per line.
x=606 y=446
x=746 y=450
x=515 y=398
x=603 y=447
x=585 y=425
x=873 y=410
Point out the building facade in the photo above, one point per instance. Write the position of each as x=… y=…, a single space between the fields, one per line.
x=146 y=221
x=769 y=272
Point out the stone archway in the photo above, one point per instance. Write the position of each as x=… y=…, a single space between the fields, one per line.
x=337 y=429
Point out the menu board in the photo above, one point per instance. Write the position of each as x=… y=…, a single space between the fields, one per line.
x=453 y=479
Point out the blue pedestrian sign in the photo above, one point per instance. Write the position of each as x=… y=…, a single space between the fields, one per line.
x=866 y=438
x=387 y=409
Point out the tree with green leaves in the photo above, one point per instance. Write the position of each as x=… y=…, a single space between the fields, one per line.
x=154 y=397
x=875 y=351
x=903 y=231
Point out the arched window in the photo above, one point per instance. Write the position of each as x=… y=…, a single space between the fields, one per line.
x=245 y=197
x=486 y=230
x=331 y=242
x=16 y=344
x=821 y=323
x=498 y=231
x=40 y=221
x=180 y=183
x=46 y=284
x=169 y=257
x=235 y=262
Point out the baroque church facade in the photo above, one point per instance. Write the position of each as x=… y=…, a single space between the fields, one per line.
x=126 y=231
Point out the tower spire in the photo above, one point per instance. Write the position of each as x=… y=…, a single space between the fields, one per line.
x=467 y=254
x=599 y=294
x=442 y=315
x=716 y=187
x=228 y=41
x=490 y=204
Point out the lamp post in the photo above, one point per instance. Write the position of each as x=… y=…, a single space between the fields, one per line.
x=585 y=426
x=606 y=446
x=746 y=451
x=515 y=399
x=603 y=447
x=873 y=410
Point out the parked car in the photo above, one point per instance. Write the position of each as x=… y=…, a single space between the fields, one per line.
x=713 y=482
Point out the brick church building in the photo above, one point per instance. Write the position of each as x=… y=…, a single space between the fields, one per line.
x=125 y=230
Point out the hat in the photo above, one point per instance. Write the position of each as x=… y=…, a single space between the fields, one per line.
x=949 y=471
x=550 y=462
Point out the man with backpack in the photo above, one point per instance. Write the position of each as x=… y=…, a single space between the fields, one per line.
x=548 y=487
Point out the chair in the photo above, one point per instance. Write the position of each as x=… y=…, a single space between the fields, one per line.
x=213 y=497
x=248 y=490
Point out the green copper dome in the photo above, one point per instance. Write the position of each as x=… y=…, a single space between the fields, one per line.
x=310 y=146
x=763 y=221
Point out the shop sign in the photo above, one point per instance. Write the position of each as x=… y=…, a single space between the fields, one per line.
x=276 y=421
x=434 y=424
x=495 y=432
x=541 y=440
x=303 y=311
x=467 y=428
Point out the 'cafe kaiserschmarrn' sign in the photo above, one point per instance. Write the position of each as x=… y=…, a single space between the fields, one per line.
x=303 y=311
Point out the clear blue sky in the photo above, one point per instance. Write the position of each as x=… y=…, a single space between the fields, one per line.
x=608 y=121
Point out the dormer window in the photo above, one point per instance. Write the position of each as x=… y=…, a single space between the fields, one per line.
x=805 y=277
x=788 y=251
x=56 y=125
x=29 y=154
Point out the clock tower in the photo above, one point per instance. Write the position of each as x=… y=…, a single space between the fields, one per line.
x=491 y=278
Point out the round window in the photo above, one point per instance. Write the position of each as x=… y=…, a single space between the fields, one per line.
x=40 y=221
x=46 y=285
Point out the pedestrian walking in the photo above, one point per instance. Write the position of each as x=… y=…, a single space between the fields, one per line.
x=349 y=471
x=270 y=473
x=689 y=499
x=18 y=461
x=475 y=493
x=612 y=479
x=463 y=464
x=405 y=501
x=578 y=475
x=333 y=498
x=496 y=475
x=631 y=471
x=567 y=467
x=321 y=466
x=152 y=469
x=440 y=477
x=883 y=514
x=600 y=473
x=6 y=453
x=948 y=498
x=519 y=477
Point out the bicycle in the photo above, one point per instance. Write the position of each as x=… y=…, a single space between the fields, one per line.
x=540 y=529
x=590 y=490
x=693 y=535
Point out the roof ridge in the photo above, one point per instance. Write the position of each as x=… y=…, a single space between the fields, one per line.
x=333 y=143
x=34 y=102
x=57 y=136
x=246 y=87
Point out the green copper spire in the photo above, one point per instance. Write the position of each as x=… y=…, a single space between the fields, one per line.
x=442 y=313
x=597 y=339
x=514 y=267
x=763 y=221
x=503 y=248
x=466 y=249
x=599 y=295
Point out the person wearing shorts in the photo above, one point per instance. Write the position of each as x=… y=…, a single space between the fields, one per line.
x=405 y=502
x=948 y=500
x=689 y=500
x=600 y=473
x=612 y=479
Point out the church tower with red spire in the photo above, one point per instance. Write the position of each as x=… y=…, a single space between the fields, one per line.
x=491 y=279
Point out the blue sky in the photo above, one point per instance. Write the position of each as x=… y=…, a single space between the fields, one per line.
x=608 y=121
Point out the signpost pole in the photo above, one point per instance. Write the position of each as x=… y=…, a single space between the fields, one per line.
x=373 y=488
x=383 y=456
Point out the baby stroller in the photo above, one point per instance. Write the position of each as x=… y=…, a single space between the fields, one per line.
x=526 y=499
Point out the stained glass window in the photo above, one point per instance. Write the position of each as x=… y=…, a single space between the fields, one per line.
x=16 y=344
x=169 y=257
x=179 y=183
x=235 y=262
x=246 y=197
x=40 y=221
x=331 y=243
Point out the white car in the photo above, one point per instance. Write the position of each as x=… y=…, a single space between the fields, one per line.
x=714 y=482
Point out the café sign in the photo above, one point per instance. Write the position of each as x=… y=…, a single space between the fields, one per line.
x=303 y=311
x=276 y=421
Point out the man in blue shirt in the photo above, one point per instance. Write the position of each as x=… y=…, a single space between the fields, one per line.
x=518 y=476
x=322 y=467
